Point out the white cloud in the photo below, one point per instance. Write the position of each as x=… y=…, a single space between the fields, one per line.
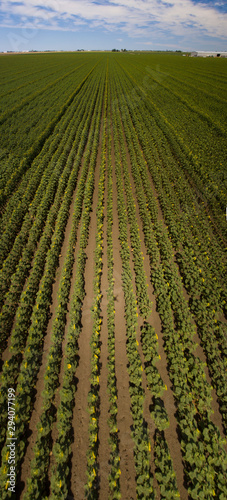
x=136 y=18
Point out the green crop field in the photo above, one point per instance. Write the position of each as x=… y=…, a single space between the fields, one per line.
x=113 y=187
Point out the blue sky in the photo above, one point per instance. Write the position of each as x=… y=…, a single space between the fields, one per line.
x=131 y=24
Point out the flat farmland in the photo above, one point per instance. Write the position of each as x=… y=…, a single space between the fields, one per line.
x=113 y=187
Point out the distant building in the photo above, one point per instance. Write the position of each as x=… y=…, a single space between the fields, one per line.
x=204 y=53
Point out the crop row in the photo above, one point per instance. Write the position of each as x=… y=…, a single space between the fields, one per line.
x=177 y=228
x=37 y=483
x=34 y=150
x=32 y=117
x=204 y=180
x=29 y=194
x=46 y=214
x=28 y=297
x=114 y=476
x=179 y=357
x=32 y=358
x=91 y=485
x=155 y=383
x=144 y=480
x=29 y=86
x=62 y=447
x=164 y=471
x=138 y=258
x=207 y=153
x=160 y=175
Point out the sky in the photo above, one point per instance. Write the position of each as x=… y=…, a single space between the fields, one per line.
x=105 y=25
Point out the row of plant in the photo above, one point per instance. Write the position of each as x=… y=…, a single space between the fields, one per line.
x=55 y=354
x=37 y=483
x=200 y=438
x=210 y=294
x=11 y=75
x=61 y=449
x=39 y=141
x=58 y=471
x=215 y=353
x=179 y=366
x=197 y=170
x=23 y=134
x=45 y=215
x=175 y=351
x=183 y=323
x=114 y=475
x=28 y=297
x=180 y=203
x=23 y=317
x=25 y=202
x=9 y=162
x=40 y=111
x=168 y=487
x=203 y=255
x=44 y=147
x=144 y=303
x=197 y=272
x=48 y=267
x=24 y=102
x=31 y=360
x=189 y=85
x=197 y=265
x=144 y=480
x=149 y=345
x=167 y=95
x=190 y=104
x=164 y=471
x=35 y=218
x=91 y=486
x=165 y=139
x=29 y=86
x=51 y=150
x=184 y=71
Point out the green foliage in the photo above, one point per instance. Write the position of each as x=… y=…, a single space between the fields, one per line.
x=167 y=134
